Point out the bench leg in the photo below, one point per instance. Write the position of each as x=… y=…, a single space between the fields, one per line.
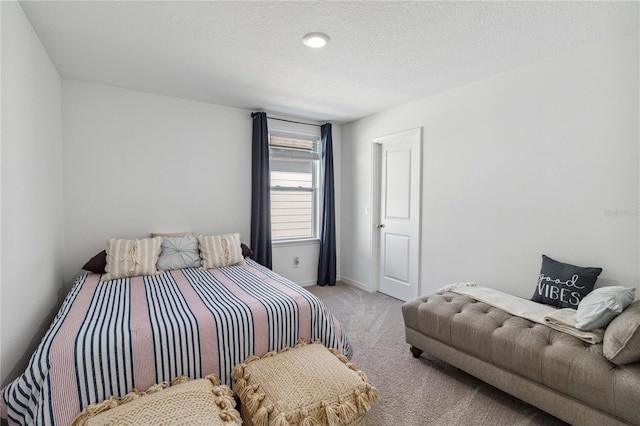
x=415 y=352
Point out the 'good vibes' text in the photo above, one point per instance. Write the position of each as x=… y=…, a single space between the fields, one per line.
x=554 y=292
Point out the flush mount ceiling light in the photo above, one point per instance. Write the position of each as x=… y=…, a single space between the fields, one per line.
x=315 y=40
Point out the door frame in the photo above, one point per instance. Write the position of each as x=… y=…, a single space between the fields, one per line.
x=376 y=176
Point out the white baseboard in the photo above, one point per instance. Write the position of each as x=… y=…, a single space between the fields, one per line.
x=345 y=280
x=357 y=284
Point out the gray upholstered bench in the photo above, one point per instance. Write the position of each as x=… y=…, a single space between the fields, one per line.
x=554 y=371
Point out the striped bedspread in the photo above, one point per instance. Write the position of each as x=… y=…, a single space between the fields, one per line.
x=110 y=337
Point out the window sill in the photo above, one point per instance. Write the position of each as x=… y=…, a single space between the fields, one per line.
x=302 y=242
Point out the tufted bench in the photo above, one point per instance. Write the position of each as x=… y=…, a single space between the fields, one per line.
x=554 y=371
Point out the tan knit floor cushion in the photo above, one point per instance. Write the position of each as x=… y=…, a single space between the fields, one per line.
x=308 y=385
x=186 y=402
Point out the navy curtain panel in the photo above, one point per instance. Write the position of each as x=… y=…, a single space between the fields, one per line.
x=327 y=261
x=260 y=191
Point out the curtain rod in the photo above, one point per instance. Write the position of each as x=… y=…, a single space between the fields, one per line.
x=289 y=121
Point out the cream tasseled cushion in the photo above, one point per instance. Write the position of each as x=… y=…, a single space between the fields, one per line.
x=308 y=385
x=220 y=250
x=186 y=402
x=131 y=258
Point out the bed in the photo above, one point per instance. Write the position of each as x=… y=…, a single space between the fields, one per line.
x=111 y=336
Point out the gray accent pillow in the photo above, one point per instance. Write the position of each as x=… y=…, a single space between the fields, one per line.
x=179 y=253
x=621 y=344
x=562 y=284
x=599 y=307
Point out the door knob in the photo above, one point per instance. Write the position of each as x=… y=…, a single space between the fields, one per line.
x=380 y=225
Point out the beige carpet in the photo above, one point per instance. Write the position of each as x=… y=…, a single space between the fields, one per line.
x=423 y=391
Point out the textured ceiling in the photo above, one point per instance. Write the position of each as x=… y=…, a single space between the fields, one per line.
x=250 y=54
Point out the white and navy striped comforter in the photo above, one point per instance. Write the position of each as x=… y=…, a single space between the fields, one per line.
x=110 y=337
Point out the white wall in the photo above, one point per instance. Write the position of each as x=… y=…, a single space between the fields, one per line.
x=137 y=163
x=541 y=159
x=32 y=210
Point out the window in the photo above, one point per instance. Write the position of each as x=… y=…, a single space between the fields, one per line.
x=294 y=166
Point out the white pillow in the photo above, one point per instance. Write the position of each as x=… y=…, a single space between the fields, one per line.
x=220 y=250
x=172 y=234
x=179 y=253
x=598 y=308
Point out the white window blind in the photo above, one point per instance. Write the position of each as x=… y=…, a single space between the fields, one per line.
x=294 y=165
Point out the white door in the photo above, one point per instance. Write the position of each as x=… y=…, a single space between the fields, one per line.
x=397 y=222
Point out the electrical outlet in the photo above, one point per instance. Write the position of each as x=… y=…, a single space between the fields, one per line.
x=296 y=262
